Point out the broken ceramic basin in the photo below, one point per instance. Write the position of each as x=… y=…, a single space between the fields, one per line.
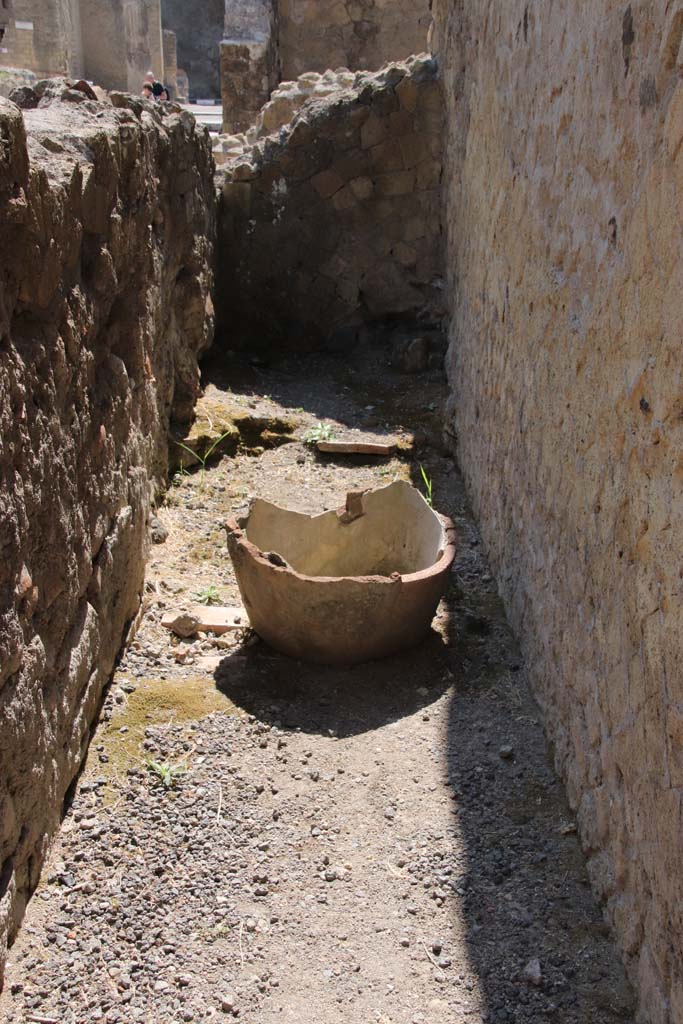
x=346 y=586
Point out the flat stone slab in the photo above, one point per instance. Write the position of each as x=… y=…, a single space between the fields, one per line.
x=356 y=448
x=206 y=619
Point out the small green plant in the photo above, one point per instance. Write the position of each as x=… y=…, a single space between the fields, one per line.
x=428 y=486
x=209 y=595
x=203 y=459
x=167 y=773
x=177 y=478
x=320 y=432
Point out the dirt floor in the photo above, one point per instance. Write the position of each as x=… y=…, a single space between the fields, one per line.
x=261 y=839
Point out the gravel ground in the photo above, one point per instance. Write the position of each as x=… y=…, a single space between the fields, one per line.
x=256 y=838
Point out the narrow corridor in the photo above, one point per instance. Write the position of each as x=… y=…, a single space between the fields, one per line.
x=260 y=839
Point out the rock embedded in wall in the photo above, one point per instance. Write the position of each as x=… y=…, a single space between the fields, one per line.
x=334 y=219
x=15 y=78
x=564 y=188
x=106 y=249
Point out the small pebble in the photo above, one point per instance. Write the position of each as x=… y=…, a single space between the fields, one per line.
x=532 y=972
x=228 y=1002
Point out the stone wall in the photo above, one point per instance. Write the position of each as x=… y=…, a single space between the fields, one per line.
x=198 y=41
x=111 y=42
x=170 y=42
x=565 y=261
x=267 y=41
x=108 y=221
x=6 y=14
x=249 y=60
x=357 y=34
x=146 y=41
x=43 y=37
x=334 y=219
x=122 y=40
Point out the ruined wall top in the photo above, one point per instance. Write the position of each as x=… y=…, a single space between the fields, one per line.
x=341 y=178
x=315 y=35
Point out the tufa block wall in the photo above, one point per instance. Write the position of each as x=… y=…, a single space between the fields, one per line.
x=43 y=37
x=111 y=42
x=345 y=198
x=249 y=60
x=267 y=41
x=357 y=34
x=565 y=262
x=108 y=225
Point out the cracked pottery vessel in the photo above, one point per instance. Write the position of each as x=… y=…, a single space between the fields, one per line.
x=348 y=586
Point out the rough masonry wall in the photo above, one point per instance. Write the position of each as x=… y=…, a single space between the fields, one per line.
x=143 y=19
x=357 y=34
x=334 y=220
x=122 y=40
x=198 y=41
x=111 y=42
x=108 y=221
x=43 y=37
x=250 y=67
x=565 y=257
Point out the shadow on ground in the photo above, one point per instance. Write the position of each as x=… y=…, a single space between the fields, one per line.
x=344 y=390
x=536 y=937
x=333 y=701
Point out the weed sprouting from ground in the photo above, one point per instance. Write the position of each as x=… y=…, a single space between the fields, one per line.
x=203 y=459
x=320 y=432
x=209 y=595
x=167 y=773
x=428 y=486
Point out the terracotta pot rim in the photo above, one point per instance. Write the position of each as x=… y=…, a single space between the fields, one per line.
x=444 y=563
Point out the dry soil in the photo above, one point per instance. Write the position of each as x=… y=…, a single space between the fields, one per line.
x=261 y=839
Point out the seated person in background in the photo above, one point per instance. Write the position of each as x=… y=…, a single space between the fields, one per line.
x=156 y=86
x=165 y=94
x=147 y=91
